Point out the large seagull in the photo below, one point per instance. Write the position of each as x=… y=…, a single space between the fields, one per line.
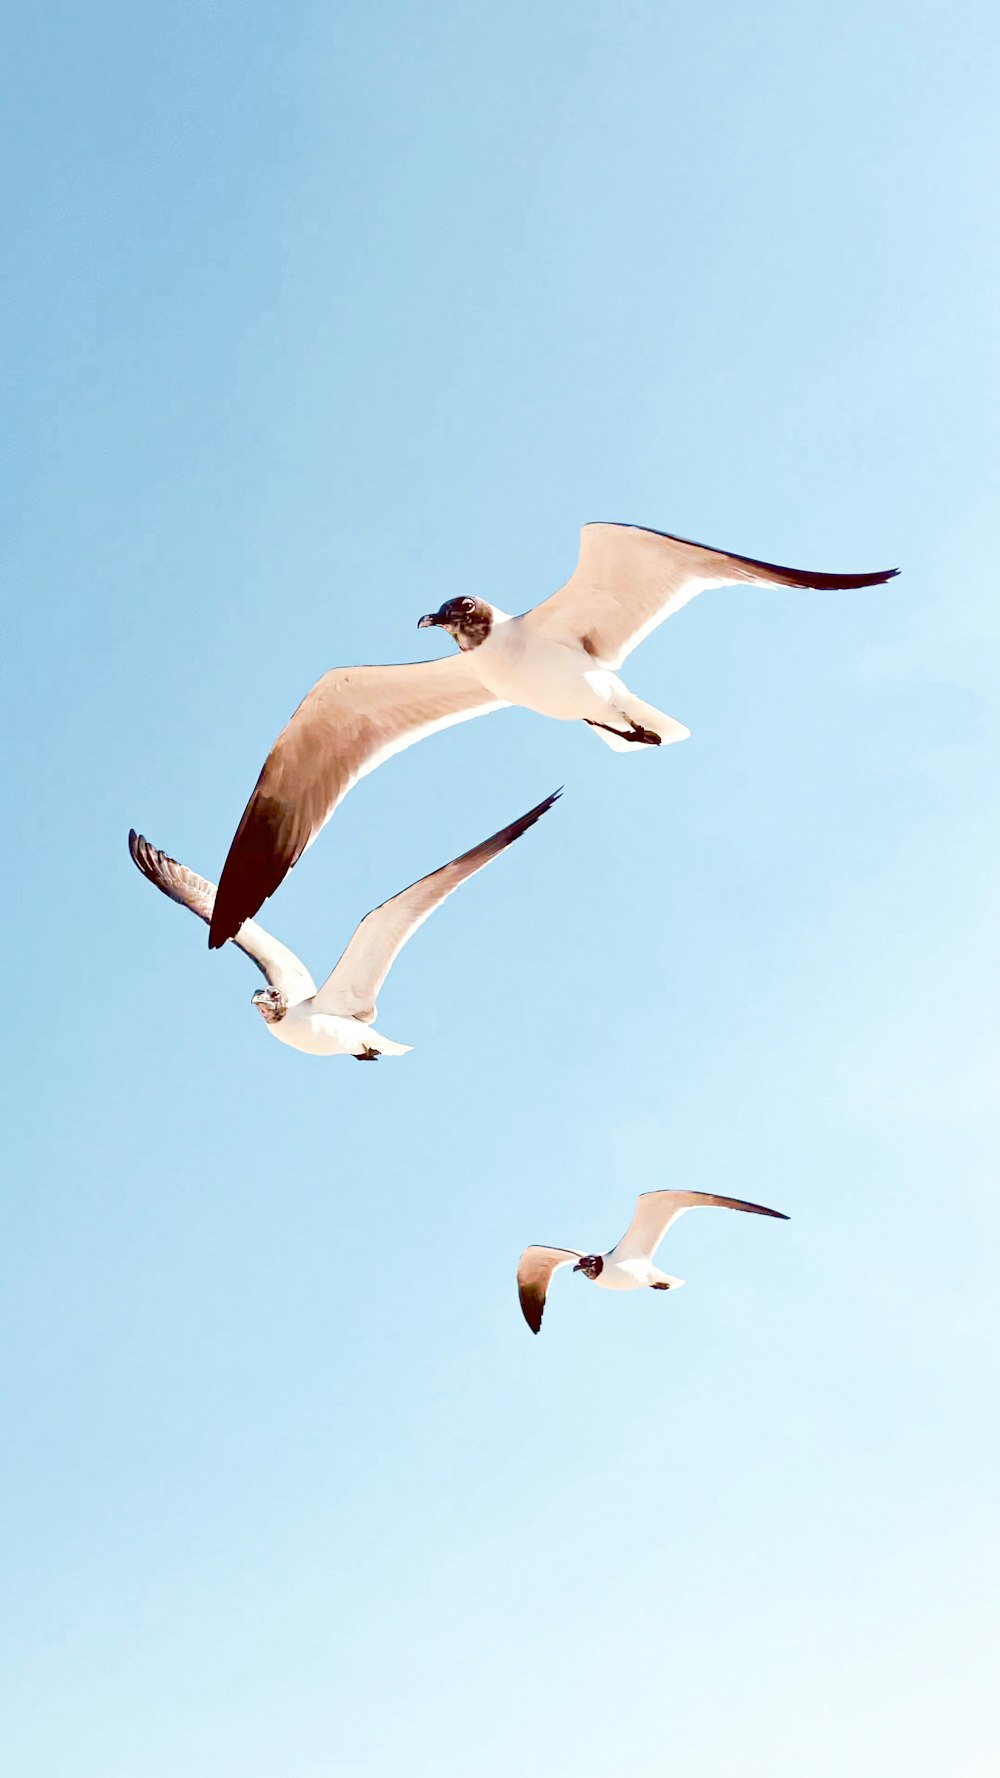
x=561 y=659
x=629 y=1266
x=336 y=1020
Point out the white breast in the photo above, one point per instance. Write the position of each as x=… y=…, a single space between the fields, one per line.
x=555 y=678
x=319 y=1034
x=629 y=1274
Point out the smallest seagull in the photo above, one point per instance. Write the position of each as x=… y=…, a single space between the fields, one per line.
x=337 y=1020
x=629 y=1266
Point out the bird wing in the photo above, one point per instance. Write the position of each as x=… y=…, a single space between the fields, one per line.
x=352 y=720
x=534 y=1269
x=277 y=963
x=655 y=1211
x=352 y=987
x=627 y=580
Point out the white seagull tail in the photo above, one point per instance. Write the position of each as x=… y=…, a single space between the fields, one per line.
x=627 y=708
x=385 y=1045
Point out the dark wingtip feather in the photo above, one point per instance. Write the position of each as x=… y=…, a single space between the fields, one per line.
x=140 y=849
x=505 y=836
x=243 y=895
x=245 y=883
x=815 y=580
x=266 y=845
x=812 y=579
x=238 y=888
x=523 y=822
x=538 y=811
x=146 y=857
x=877 y=579
x=531 y=1309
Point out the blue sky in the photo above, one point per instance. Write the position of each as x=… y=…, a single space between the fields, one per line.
x=314 y=318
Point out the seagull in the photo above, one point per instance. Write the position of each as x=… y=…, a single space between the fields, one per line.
x=336 y=1020
x=561 y=660
x=629 y=1266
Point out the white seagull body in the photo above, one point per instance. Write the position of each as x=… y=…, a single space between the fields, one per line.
x=521 y=665
x=331 y=1034
x=629 y=1266
x=336 y=1019
x=560 y=659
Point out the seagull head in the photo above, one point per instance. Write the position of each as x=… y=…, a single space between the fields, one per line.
x=592 y=1265
x=271 y=1004
x=467 y=621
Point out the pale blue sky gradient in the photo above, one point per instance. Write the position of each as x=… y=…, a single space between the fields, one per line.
x=315 y=317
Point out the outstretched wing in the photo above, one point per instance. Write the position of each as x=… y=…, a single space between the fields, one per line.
x=352 y=987
x=352 y=720
x=627 y=580
x=655 y=1211
x=535 y=1267
x=276 y=962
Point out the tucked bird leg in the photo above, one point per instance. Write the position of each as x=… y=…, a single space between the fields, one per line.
x=368 y=1055
x=634 y=732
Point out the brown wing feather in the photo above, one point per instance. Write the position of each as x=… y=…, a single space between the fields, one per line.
x=629 y=579
x=655 y=1211
x=277 y=964
x=171 y=878
x=351 y=720
x=352 y=986
x=535 y=1268
x=750 y=568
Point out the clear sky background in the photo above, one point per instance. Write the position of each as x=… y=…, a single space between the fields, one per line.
x=315 y=316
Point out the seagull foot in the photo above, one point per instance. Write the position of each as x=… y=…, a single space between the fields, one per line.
x=635 y=732
x=659 y=1287
x=368 y=1055
x=644 y=735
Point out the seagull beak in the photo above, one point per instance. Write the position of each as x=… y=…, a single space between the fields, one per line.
x=428 y=621
x=579 y=1266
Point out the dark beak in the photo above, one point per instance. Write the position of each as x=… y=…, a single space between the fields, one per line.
x=579 y=1266
x=428 y=621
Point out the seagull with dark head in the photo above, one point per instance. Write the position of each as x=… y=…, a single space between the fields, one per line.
x=335 y=1020
x=561 y=659
x=467 y=621
x=629 y=1266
